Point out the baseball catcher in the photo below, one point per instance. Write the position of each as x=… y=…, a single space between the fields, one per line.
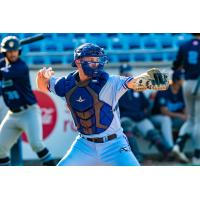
x=92 y=96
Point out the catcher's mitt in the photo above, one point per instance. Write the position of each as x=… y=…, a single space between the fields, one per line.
x=153 y=79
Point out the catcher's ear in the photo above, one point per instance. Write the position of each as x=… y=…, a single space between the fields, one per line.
x=78 y=63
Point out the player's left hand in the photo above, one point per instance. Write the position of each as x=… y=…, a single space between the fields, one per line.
x=153 y=79
x=157 y=80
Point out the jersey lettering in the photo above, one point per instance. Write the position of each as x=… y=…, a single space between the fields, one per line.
x=193 y=57
x=12 y=95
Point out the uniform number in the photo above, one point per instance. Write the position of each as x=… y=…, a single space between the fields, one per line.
x=12 y=95
x=192 y=57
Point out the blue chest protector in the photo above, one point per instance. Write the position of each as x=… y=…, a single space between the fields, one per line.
x=91 y=115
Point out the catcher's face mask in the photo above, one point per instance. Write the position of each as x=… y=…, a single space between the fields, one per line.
x=93 y=66
x=91 y=58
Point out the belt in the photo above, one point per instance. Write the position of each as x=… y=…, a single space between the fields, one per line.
x=21 y=108
x=102 y=139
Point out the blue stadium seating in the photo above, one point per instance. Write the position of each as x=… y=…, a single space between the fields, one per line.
x=147 y=46
x=99 y=39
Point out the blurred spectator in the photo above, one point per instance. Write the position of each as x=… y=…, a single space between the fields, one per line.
x=188 y=59
x=125 y=70
x=134 y=118
x=169 y=112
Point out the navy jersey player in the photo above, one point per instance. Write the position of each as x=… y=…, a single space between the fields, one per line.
x=188 y=58
x=24 y=113
x=92 y=96
x=168 y=111
x=134 y=112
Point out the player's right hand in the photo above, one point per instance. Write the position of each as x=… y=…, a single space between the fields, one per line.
x=42 y=78
x=46 y=72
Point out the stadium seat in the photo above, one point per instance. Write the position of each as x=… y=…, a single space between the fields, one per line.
x=166 y=42
x=29 y=34
x=67 y=45
x=69 y=59
x=156 y=57
x=64 y=35
x=150 y=43
x=49 y=36
x=102 y=43
x=134 y=42
x=112 y=35
x=56 y=60
x=171 y=56
x=112 y=58
x=51 y=47
x=96 y=34
x=116 y=43
x=140 y=57
x=124 y=57
x=79 y=35
x=128 y=34
x=34 y=47
x=144 y=34
x=39 y=60
x=18 y=35
x=99 y=39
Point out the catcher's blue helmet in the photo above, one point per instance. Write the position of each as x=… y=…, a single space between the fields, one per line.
x=90 y=50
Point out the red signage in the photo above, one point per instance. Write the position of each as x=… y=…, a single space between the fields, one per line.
x=49 y=113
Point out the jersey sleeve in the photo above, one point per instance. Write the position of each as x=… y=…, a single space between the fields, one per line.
x=115 y=87
x=57 y=86
x=120 y=86
x=51 y=85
